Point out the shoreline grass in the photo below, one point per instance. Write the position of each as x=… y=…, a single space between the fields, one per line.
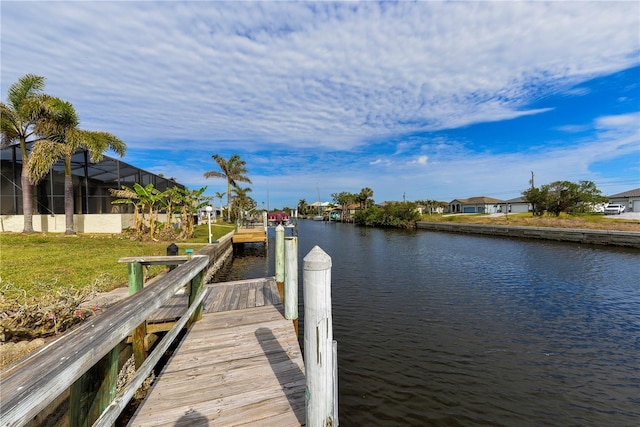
x=35 y=265
x=585 y=221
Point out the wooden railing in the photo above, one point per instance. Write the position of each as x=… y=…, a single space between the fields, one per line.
x=85 y=361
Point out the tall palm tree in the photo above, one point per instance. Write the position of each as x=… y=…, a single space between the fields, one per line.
x=65 y=139
x=234 y=170
x=219 y=195
x=19 y=118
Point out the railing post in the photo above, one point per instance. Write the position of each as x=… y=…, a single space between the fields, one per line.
x=291 y=280
x=196 y=288
x=93 y=392
x=280 y=261
x=136 y=277
x=136 y=283
x=318 y=339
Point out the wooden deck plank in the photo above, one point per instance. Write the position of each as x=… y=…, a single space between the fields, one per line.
x=244 y=296
x=251 y=296
x=260 y=295
x=241 y=367
x=235 y=298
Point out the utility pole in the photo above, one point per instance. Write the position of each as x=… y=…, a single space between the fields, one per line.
x=532 y=182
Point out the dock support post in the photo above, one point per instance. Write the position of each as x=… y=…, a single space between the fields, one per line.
x=318 y=339
x=280 y=261
x=136 y=283
x=196 y=289
x=291 y=280
x=94 y=391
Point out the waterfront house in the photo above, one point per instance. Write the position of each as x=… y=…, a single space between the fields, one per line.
x=630 y=199
x=481 y=204
x=516 y=205
x=94 y=212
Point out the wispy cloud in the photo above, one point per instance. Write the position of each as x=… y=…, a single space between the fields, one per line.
x=331 y=91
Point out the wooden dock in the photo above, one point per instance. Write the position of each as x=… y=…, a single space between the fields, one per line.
x=232 y=357
x=240 y=365
x=251 y=234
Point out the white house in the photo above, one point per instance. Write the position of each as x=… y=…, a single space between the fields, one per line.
x=630 y=199
x=517 y=205
x=482 y=204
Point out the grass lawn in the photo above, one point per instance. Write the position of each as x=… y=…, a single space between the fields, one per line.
x=587 y=221
x=34 y=265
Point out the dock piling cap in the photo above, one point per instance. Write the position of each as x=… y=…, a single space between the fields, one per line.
x=316 y=259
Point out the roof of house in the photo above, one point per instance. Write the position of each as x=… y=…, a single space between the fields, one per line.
x=631 y=193
x=516 y=200
x=481 y=200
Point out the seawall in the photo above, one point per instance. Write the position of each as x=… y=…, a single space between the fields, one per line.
x=595 y=237
x=218 y=252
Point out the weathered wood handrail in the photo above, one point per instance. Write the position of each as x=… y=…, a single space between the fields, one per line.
x=34 y=383
x=111 y=413
x=157 y=260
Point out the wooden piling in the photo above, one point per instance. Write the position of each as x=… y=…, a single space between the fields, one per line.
x=136 y=283
x=291 y=280
x=318 y=339
x=280 y=260
x=94 y=391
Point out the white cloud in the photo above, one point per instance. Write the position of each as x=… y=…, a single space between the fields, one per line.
x=308 y=73
x=420 y=160
x=194 y=78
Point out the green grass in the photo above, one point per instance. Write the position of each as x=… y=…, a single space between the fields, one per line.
x=33 y=265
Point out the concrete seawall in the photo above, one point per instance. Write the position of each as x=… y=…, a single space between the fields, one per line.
x=218 y=253
x=595 y=237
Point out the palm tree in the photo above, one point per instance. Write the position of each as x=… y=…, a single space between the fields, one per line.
x=220 y=195
x=64 y=140
x=364 y=197
x=19 y=118
x=242 y=201
x=302 y=207
x=234 y=170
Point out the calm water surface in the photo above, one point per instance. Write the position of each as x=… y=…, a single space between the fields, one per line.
x=458 y=330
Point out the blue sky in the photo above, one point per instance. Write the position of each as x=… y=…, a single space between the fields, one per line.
x=426 y=100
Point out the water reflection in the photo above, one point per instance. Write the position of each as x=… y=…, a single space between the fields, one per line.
x=448 y=329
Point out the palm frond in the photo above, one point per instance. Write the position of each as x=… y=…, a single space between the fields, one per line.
x=26 y=87
x=214 y=174
x=44 y=154
x=124 y=193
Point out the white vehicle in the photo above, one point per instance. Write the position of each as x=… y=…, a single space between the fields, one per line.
x=613 y=209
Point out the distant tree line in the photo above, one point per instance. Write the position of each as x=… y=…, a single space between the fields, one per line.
x=394 y=214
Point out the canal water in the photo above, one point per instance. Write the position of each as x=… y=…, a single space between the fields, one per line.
x=438 y=329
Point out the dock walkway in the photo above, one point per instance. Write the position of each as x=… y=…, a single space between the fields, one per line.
x=240 y=365
x=250 y=234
